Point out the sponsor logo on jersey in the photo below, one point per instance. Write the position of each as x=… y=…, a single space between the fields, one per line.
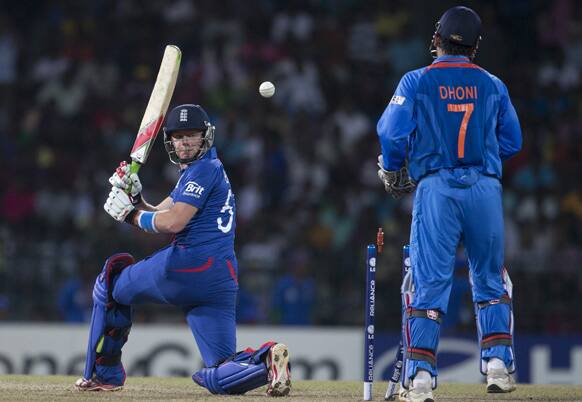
x=193 y=189
x=397 y=100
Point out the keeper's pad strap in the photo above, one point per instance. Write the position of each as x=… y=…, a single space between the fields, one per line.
x=505 y=299
x=434 y=315
x=103 y=360
x=496 y=339
x=426 y=355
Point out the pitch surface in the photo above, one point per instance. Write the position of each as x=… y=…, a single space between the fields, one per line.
x=60 y=388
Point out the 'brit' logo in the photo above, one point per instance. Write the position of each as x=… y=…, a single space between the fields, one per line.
x=183 y=114
x=193 y=189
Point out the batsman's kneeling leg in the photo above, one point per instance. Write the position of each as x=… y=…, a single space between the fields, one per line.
x=242 y=372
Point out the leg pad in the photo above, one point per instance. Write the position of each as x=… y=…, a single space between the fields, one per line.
x=244 y=371
x=110 y=324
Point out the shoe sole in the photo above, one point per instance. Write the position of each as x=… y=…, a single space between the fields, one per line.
x=496 y=389
x=281 y=382
x=99 y=387
x=407 y=399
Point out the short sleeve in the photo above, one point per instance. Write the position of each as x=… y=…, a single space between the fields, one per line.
x=196 y=184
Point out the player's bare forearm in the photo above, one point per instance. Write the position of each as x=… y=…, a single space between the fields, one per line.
x=172 y=220
x=167 y=203
x=176 y=218
x=162 y=206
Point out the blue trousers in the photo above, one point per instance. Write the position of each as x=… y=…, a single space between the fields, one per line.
x=205 y=288
x=453 y=205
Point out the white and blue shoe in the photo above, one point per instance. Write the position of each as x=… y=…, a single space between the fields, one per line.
x=420 y=389
x=498 y=379
x=279 y=372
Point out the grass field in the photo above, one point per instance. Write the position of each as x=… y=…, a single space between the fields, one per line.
x=60 y=388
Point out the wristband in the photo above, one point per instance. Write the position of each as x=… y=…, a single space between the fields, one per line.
x=146 y=221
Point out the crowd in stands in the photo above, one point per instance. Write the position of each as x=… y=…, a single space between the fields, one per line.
x=74 y=81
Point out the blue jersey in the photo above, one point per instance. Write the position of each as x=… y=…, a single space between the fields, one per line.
x=446 y=115
x=205 y=185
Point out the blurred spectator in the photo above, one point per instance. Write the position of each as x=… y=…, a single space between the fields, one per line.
x=75 y=78
x=293 y=299
x=74 y=299
x=247 y=309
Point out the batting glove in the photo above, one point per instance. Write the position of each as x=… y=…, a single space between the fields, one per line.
x=118 y=204
x=127 y=181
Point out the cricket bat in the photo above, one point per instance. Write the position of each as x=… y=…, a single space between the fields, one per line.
x=157 y=107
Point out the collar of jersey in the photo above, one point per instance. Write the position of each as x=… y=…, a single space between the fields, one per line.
x=451 y=59
x=208 y=155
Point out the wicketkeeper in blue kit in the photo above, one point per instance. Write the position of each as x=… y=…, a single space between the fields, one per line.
x=197 y=272
x=456 y=124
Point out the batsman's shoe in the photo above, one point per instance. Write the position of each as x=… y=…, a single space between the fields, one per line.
x=415 y=395
x=279 y=374
x=94 y=384
x=420 y=390
x=499 y=381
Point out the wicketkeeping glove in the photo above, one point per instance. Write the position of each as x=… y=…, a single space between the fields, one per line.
x=396 y=182
x=123 y=179
x=118 y=204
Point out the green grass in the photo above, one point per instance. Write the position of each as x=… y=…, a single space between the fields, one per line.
x=60 y=388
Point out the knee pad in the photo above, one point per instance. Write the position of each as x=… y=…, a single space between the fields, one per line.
x=103 y=288
x=242 y=372
x=110 y=325
x=494 y=320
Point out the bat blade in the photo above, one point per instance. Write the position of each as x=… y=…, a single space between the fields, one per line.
x=157 y=107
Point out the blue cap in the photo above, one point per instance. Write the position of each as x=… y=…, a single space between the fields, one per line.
x=186 y=117
x=460 y=25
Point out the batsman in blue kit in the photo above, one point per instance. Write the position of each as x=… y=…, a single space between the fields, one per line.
x=446 y=131
x=197 y=272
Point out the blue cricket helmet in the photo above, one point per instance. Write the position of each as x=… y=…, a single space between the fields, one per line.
x=460 y=25
x=188 y=117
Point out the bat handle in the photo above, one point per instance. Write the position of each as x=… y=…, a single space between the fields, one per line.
x=133 y=168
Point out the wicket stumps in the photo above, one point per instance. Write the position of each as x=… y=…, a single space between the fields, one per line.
x=372 y=251
x=392 y=390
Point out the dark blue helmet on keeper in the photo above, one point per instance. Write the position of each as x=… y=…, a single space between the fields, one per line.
x=188 y=118
x=461 y=26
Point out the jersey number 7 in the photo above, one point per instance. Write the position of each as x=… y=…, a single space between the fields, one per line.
x=466 y=108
